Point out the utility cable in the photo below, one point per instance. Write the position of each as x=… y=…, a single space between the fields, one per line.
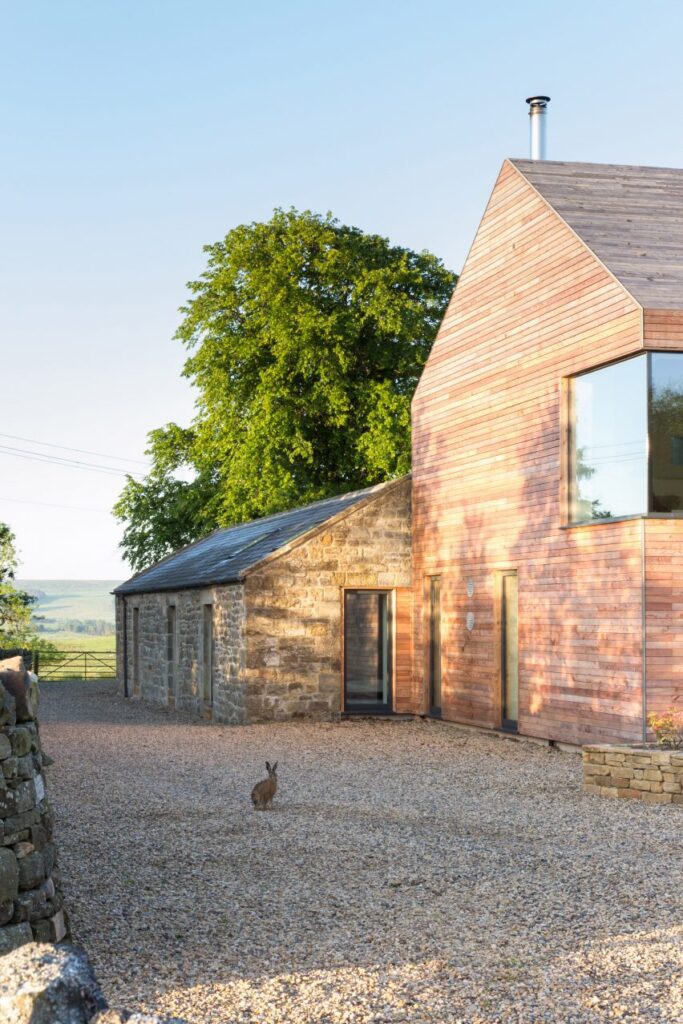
x=56 y=460
x=54 y=504
x=81 y=451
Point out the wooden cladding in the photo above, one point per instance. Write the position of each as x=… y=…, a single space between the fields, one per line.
x=533 y=307
x=406 y=700
x=664 y=613
x=663 y=329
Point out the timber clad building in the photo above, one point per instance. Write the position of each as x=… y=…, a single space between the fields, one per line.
x=546 y=558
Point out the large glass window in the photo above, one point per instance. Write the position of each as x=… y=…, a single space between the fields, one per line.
x=666 y=431
x=626 y=438
x=608 y=464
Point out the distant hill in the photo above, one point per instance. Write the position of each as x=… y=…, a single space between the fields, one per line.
x=73 y=605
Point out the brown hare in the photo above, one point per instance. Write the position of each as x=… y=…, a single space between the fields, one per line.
x=263 y=792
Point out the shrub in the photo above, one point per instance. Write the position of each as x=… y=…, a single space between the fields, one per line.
x=667 y=727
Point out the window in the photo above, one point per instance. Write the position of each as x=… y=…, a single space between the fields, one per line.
x=666 y=431
x=626 y=438
x=608 y=442
x=207 y=653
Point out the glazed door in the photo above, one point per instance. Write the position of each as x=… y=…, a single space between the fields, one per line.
x=435 y=646
x=368 y=651
x=509 y=651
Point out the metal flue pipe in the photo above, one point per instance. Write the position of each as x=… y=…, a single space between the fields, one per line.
x=537 y=119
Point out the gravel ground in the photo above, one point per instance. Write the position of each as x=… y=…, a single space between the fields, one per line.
x=408 y=872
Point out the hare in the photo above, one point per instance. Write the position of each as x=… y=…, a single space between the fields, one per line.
x=263 y=792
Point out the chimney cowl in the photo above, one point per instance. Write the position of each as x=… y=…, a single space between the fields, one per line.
x=537 y=117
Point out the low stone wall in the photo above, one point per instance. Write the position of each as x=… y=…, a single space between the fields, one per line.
x=654 y=776
x=30 y=897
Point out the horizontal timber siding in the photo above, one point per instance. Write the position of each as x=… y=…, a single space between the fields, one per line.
x=406 y=698
x=533 y=305
x=663 y=329
x=664 y=581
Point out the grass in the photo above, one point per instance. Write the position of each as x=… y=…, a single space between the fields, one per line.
x=81 y=642
x=98 y=661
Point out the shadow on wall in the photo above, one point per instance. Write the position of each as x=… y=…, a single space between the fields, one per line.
x=580 y=599
x=580 y=611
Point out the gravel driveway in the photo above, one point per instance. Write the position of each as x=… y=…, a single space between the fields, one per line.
x=409 y=871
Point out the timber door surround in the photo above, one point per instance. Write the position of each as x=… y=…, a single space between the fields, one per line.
x=509 y=650
x=368 y=651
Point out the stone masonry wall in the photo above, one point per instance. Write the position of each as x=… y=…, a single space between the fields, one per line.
x=294 y=602
x=178 y=682
x=277 y=637
x=654 y=776
x=30 y=896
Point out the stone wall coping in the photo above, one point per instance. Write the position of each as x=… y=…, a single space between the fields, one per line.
x=645 y=772
x=636 y=748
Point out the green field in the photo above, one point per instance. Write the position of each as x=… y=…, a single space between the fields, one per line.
x=73 y=599
x=79 y=657
x=79 y=642
x=74 y=613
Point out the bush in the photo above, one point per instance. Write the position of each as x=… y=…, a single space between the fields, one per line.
x=667 y=727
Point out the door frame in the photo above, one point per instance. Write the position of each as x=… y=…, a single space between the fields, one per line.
x=370 y=709
x=506 y=725
x=137 y=682
x=172 y=665
x=432 y=710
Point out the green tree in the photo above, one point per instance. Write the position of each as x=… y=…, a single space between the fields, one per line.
x=16 y=629
x=306 y=339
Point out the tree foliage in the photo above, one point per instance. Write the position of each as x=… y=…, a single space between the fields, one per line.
x=306 y=339
x=16 y=629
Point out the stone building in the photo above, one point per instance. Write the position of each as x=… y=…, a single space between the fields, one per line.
x=302 y=613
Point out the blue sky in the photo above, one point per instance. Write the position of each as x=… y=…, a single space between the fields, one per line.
x=134 y=133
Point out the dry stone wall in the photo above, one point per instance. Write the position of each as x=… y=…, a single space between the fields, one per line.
x=30 y=896
x=654 y=776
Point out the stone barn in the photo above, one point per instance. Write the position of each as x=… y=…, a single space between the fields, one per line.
x=304 y=613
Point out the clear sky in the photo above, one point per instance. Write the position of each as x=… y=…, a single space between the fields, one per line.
x=133 y=133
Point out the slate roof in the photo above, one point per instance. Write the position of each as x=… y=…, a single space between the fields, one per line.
x=225 y=556
x=630 y=217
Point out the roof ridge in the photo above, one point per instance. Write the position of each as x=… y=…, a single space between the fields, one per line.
x=629 y=217
x=592 y=163
x=570 y=227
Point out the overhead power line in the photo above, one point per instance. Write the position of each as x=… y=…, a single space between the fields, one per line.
x=54 y=504
x=66 y=448
x=56 y=460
